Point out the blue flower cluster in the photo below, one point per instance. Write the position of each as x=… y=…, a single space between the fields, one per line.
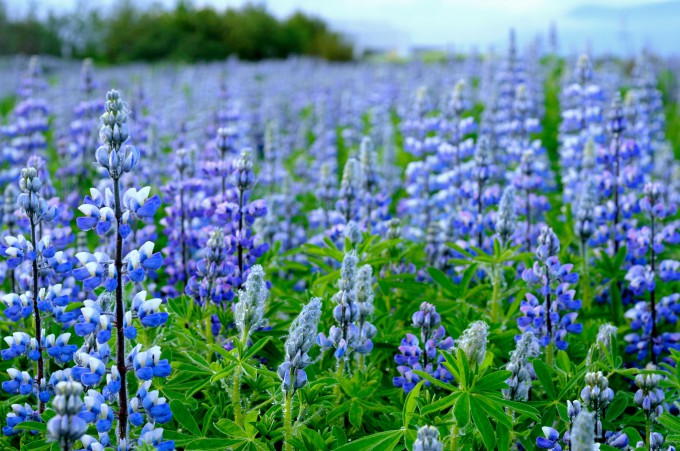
x=553 y=317
x=424 y=354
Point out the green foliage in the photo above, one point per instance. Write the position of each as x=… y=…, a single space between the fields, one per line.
x=185 y=33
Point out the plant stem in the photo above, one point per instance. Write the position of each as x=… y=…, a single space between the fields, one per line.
x=496 y=307
x=183 y=243
x=454 y=437
x=120 y=313
x=236 y=396
x=240 y=237
x=652 y=294
x=236 y=392
x=648 y=432
x=36 y=314
x=338 y=375
x=287 y=419
x=616 y=194
x=584 y=279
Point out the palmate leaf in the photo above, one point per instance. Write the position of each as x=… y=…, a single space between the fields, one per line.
x=494 y=407
x=383 y=441
x=441 y=404
x=494 y=381
x=436 y=382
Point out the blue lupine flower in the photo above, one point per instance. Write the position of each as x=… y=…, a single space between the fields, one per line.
x=300 y=340
x=547 y=319
x=427 y=358
x=66 y=426
x=154 y=437
x=19 y=414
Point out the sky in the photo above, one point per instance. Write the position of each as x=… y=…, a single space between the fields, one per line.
x=618 y=26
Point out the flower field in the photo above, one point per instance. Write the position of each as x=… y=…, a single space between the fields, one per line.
x=476 y=253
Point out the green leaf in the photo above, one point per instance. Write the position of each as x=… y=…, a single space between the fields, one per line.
x=494 y=408
x=522 y=408
x=208 y=444
x=224 y=353
x=492 y=382
x=434 y=381
x=31 y=426
x=179 y=438
x=340 y=436
x=503 y=437
x=254 y=349
x=440 y=404
x=483 y=424
x=461 y=410
x=616 y=408
x=207 y=419
x=543 y=375
x=671 y=422
x=383 y=441
x=314 y=439
x=443 y=280
x=224 y=372
x=184 y=417
x=410 y=404
x=356 y=412
x=36 y=446
x=230 y=428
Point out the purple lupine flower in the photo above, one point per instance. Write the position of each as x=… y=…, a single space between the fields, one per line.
x=550 y=320
x=424 y=354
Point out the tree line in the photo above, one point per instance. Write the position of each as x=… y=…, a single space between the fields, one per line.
x=184 y=33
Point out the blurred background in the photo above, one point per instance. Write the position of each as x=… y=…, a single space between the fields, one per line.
x=112 y=31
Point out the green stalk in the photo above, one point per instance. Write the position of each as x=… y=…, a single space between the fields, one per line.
x=236 y=396
x=288 y=427
x=236 y=392
x=648 y=432
x=584 y=279
x=454 y=437
x=496 y=308
x=338 y=375
x=549 y=358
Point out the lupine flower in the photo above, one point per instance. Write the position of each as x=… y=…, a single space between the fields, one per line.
x=649 y=397
x=346 y=337
x=348 y=196
x=66 y=426
x=249 y=310
x=549 y=440
x=519 y=383
x=428 y=358
x=545 y=319
x=427 y=439
x=19 y=414
x=596 y=396
x=96 y=323
x=473 y=342
x=300 y=340
x=582 y=437
x=154 y=437
x=604 y=340
x=506 y=219
x=584 y=218
x=210 y=282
